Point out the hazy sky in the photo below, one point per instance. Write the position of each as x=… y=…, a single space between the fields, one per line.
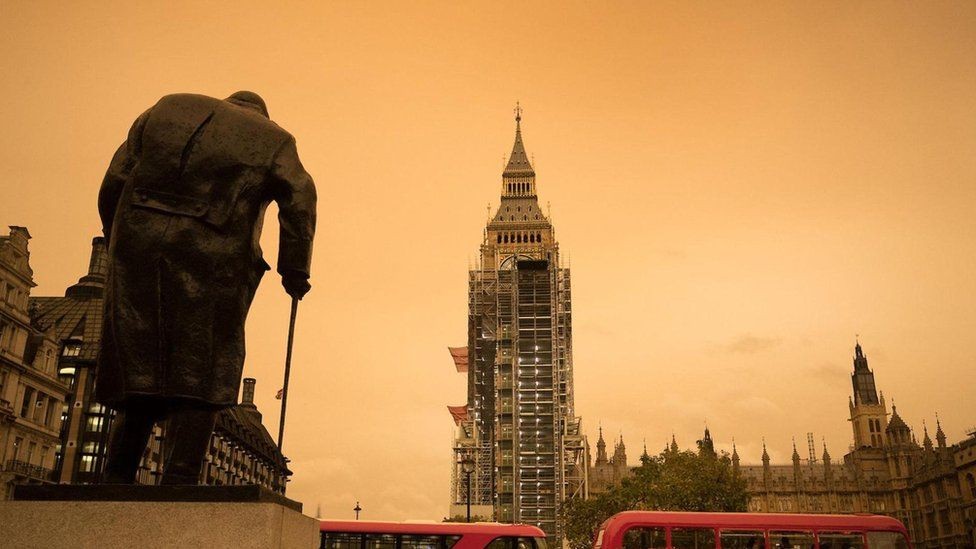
x=741 y=188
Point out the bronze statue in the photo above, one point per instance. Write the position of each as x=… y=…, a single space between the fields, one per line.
x=182 y=206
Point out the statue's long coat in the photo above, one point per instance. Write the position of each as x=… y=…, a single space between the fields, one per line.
x=182 y=205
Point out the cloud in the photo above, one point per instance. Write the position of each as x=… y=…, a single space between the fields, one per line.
x=749 y=344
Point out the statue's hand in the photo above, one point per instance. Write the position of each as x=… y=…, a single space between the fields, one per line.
x=296 y=284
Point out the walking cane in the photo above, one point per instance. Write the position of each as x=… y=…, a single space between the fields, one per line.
x=284 y=389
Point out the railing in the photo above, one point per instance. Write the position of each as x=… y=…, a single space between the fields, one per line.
x=30 y=471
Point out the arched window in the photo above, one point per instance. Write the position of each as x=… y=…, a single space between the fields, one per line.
x=499 y=238
x=506 y=239
x=531 y=238
x=525 y=218
x=538 y=236
x=972 y=484
x=518 y=238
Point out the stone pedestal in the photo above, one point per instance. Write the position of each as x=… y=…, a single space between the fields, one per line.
x=173 y=516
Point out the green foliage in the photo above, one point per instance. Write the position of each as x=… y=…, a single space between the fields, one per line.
x=462 y=518
x=672 y=481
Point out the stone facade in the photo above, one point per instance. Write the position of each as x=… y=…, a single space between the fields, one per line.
x=31 y=396
x=930 y=486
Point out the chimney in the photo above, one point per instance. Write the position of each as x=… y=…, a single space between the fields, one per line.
x=92 y=285
x=247 y=395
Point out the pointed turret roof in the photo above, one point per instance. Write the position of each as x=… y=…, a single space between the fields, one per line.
x=896 y=423
x=518 y=161
x=940 y=436
x=926 y=441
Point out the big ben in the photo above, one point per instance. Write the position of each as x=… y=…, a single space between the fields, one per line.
x=518 y=433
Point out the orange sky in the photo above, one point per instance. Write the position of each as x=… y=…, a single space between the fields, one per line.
x=741 y=187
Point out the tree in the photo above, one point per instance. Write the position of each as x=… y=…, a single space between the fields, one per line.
x=462 y=518
x=671 y=481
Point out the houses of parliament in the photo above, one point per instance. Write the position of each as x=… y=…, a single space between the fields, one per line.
x=930 y=485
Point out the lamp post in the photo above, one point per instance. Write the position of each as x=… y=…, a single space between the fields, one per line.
x=357 y=509
x=467 y=466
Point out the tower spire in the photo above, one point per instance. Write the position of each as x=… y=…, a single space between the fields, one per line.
x=518 y=178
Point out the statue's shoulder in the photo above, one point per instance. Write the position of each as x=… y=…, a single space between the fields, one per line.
x=188 y=100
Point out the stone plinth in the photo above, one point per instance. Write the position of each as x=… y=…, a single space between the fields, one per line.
x=241 y=516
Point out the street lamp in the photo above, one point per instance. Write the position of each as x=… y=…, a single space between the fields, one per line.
x=357 y=509
x=467 y=466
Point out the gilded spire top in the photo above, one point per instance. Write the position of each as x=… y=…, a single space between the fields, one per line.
x=518 y=161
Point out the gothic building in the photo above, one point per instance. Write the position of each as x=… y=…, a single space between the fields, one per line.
x=930 y=486
x=518 y=427
x=605 y=471
x=31 y=396
x=241 y=449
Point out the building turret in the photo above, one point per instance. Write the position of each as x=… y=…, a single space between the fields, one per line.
x=92 y=285
x=828 y=473
x=735 y=459
x=863 y=378
x=705 y=446
x=674 y=444
x=620 y=453
x=869 y=414
x=897 y=431
x=645 y=458
x=767 y=472
x=940 y=435
x=926 y=441
x=601 y=450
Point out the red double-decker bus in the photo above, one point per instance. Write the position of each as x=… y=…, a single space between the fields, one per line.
x=676 y=530
x=361 y=534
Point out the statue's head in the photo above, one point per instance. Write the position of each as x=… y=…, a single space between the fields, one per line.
x=249 y=100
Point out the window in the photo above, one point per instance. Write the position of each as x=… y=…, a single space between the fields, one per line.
x=840 y=541
x=644 y=538
x=380 y=541
x=742 y=540
x=3 y=381
x=39 y=407
x=410 y=541
x=692 y=538
x=31 y=448
x=94 y=423
x=791 y=540
x=340 y=540
x=87 y=463
x=969 y=478
x=25 y=406
x=72 y=348
x=18 y=442
x=887 y=540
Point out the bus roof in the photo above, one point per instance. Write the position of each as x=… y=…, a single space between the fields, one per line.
x=431 y=528
x=775 y=521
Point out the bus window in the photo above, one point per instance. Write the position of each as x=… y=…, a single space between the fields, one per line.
x=503 y=542
x=418 y=541
x=645 y=538
x=840 y=541
x=742 y=540
x=341 y=540
x=791 y=540
x=380 y=541
x=525 y=543
x=449 y=541
x=887 y=540
x=692 y=538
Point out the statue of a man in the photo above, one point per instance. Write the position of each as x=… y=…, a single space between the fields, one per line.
x=182 y=206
